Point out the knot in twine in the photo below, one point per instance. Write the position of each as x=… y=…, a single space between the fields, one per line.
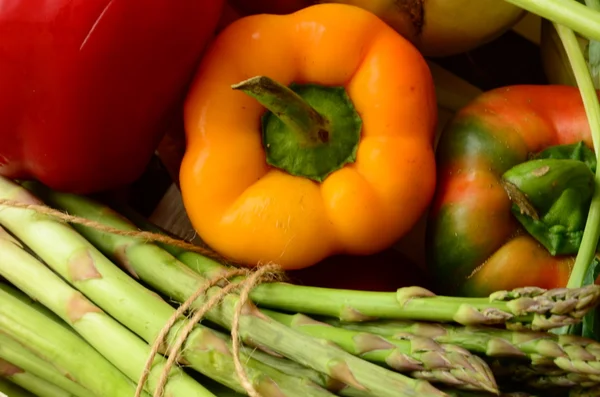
x=252 y=278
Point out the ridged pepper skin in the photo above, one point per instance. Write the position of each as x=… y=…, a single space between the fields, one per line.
x=90 y=86
x=252 y=212
x=474 y=244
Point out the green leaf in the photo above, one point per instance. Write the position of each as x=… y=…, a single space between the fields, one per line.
x=575 y=151
x=553 y=200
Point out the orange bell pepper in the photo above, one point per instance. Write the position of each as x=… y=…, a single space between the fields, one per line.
x=332 y=153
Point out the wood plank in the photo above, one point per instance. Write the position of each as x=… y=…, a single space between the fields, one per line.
x=170 y=215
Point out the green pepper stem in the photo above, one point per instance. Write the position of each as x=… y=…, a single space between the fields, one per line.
x=591 y=232
x=569 y=13
x=310 y=130
x=289 y=107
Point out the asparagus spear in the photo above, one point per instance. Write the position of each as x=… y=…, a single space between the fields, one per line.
x=10 y=389
x=41 y=309
x=30 y=382
x=564 y=380
x=141 y=310
x=464 y=393
x=121 y=347
x=203 y=350
x=219 y=390
x=206 y=351
x=211 y=268
x=421 y=357
x=567 y=352
x=164 y=273
x=521 y=371
x=541 y=377
x=291 y=367
x=522 y=308
x=67 y=351
x=581 y=392
x=15 y=353
x=272 y=381
x=530 y=309
x=125 y=218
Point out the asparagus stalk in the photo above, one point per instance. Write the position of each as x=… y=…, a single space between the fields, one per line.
x=523 y=308
x=541 y=377
x=164 y=273
x=464 y=393
x=289 y=366
x=125 y=218
x=121 y=347
x=41 y=309
x=570 y=353
x=220 y=390
x=30 y=382
x=421 y=357
x=562 y=380
x=581 y=392
x=293 y=368
x=520 y=371
x=207 y=351
x=10 y=389
x=268 y=380
x=144 y=312
x=15 y=353
x=67 y=351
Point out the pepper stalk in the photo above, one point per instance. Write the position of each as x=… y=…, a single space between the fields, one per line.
x=583 y=77
x=594 y=49
x=570 y=13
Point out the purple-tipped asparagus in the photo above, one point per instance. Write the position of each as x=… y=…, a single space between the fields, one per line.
x=571 y=354
x=419 y=356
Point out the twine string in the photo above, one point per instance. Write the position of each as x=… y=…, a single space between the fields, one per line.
x=254 y=277
x=175 y=349
x=140 y=234
x=263 y=273
x=160 y=339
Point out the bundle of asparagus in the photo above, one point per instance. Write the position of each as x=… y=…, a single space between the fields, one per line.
x=94 y=310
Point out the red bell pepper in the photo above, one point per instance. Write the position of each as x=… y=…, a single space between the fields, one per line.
x=90 y=86
x=514 y=187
